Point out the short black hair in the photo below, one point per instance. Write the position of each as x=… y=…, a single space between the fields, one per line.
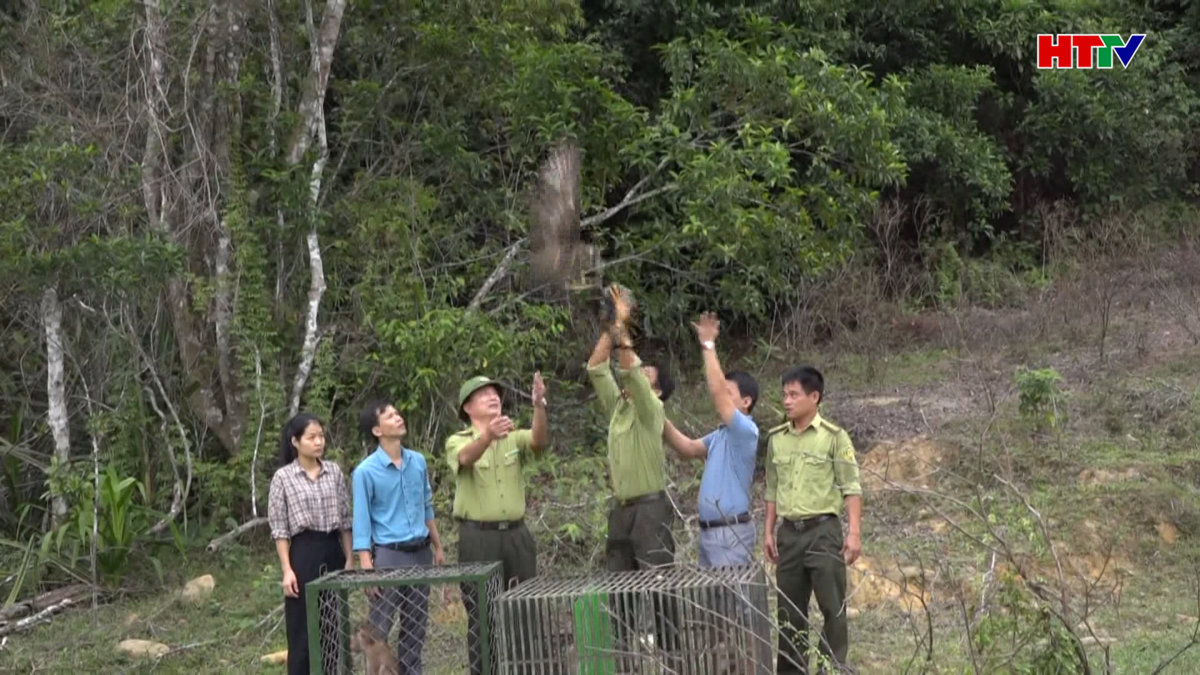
x=747 y=385
x=810 y=379
x=666 y=384
x=294 y=430
x=369 y=418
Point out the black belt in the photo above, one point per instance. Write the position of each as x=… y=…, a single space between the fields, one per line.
x=500 y=525
x=410 y=546
x=722 y=522
x=805 y=524
x=642 y=499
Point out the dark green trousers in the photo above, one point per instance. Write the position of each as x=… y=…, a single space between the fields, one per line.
x=639 y=535
x=810 y=562
x=516 y=550
x=639 y=538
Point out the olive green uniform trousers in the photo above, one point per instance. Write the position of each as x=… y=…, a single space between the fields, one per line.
x=810 y=562
x=516 y=550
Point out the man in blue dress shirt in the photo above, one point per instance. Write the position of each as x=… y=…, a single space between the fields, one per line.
x=727 y=532
x=394 y=527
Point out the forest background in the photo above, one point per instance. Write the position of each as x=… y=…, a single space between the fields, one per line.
x=216 y=214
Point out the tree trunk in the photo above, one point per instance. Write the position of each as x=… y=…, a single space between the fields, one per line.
x=161 y=188
x=312 y=123
x=56 y=393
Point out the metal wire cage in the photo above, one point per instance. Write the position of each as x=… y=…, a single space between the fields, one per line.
x=422 y=619
x=667 y=620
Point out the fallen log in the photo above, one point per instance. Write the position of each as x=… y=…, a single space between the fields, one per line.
x=235 y=533
x=36 y=604
x=31 y=621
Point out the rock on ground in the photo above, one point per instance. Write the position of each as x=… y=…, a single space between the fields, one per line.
x=198 y=589
x=143 y=648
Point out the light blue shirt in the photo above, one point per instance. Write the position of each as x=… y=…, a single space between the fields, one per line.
x=729 y=470
x=391 y=504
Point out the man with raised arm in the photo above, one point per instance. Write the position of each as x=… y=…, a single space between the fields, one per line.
x=489 y=498
x=639 y=524
x=727 y=532
x=811 y=474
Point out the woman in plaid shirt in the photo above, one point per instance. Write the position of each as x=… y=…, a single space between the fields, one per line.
x=309 y=513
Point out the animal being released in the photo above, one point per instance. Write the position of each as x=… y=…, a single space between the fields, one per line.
x=557 y=256
x=373 y=644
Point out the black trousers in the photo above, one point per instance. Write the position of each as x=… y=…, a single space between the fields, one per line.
x=312 y=554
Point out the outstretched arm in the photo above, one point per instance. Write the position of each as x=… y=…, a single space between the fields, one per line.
x=602 y=351
x=707 y=329
x=691 y=448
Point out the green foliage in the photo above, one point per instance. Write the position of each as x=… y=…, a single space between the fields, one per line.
x=1042 y=402
x=122 y=522
x=421 y=373
x=746 y=144
x=1043 y=644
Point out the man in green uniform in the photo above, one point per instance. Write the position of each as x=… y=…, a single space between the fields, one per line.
x=811 y=473
x=489 y=498
x=639 y=524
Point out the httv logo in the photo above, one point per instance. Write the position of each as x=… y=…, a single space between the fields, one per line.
x=1065 y=51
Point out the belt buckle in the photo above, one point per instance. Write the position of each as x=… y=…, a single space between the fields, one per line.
x=502 y=525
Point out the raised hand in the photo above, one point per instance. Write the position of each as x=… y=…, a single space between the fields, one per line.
x=708 y=326
x=539 y=389
x=621 y=305
x=499 y=427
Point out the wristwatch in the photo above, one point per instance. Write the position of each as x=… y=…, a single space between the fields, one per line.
x=708 y=344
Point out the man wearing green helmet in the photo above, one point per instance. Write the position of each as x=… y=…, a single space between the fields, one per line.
x=489 y=498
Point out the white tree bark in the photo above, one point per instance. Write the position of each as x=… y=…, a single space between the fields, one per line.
x=262 y=418
x=313 y=99
x=312 y=123
x=56 y=391
x=496 y=275
x=223 y=316
x=311 y=326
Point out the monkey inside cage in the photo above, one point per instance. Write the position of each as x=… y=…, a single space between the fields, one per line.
x=667 y=620
x=434 y=620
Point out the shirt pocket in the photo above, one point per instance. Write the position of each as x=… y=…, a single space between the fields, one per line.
x=510 y=466
x=785 y=464
x=485 y=467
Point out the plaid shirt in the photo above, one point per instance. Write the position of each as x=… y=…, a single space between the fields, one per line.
x=298 y=502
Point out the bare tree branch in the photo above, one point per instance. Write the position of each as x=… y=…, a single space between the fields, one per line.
x=496 y=275
x=41 y=617
x=182 y=485
x=633 y=197
x=262 y=418
x=235 y=533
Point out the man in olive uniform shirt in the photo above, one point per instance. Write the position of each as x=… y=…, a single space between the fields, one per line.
x=489 y=498
x=811 y=472
x=639 y=524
